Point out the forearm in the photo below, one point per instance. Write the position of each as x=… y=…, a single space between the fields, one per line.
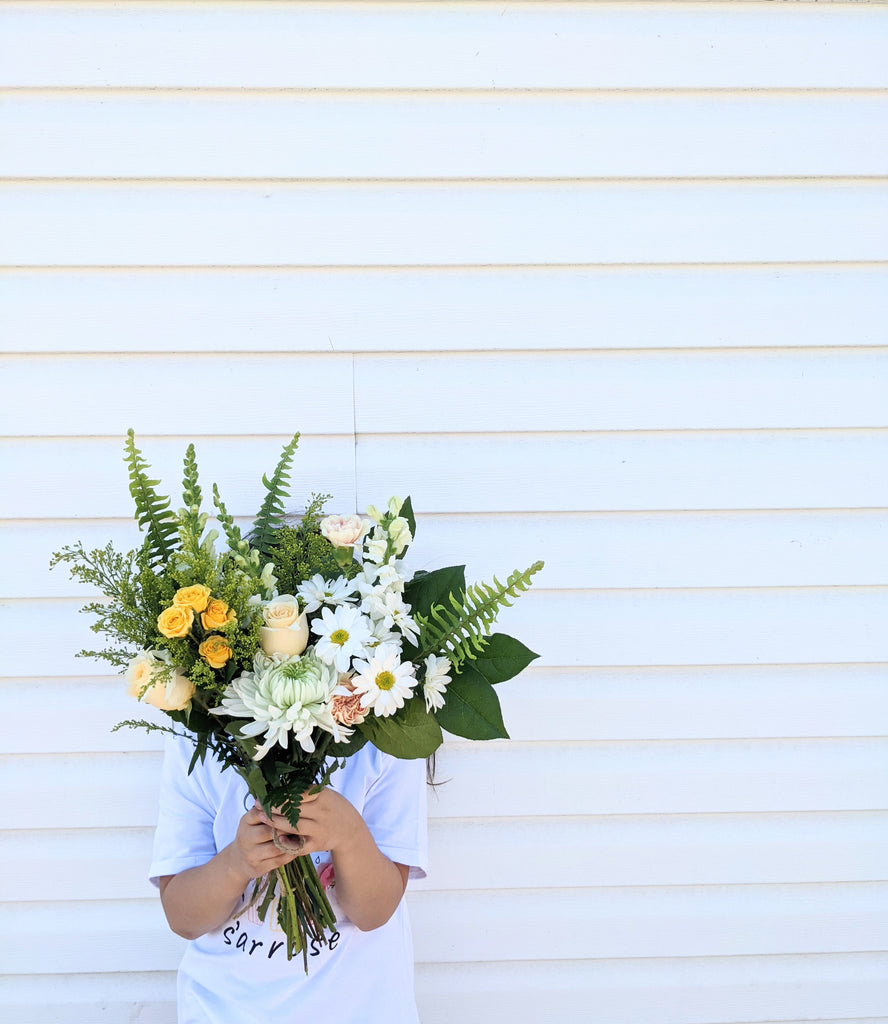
x=369 y=886
x=200 y=899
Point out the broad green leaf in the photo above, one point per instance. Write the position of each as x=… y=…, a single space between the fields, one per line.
x=502 y=658
x=472 y=708
x=428 y=588
x=410 y=733
x=348 y=747
x=407 y=513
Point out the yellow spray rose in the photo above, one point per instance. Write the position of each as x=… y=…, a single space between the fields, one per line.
x=215 y=651
x=217 y=615
x=195 y=597
x=175 y=621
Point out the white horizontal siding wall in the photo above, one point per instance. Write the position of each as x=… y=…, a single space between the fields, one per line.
x=602 y=283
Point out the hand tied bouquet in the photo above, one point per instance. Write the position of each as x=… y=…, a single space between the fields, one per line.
x=286 y=652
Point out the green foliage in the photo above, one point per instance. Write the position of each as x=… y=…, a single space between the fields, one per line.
x=460 y=631
x=407 y=513
x=192 y=521
x=300 y=551
x=126 y=617
x=153 y=513
x=232 y=531
x=271 y=513
x=428 y=589
x=472 y=708
x=503 y=658
x=409 y=733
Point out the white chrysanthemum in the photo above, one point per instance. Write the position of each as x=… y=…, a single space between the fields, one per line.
x=389 y=608
x=284 y=695
x=317 y=591
x=342 y=634
x=384 y=682
x=435 y=683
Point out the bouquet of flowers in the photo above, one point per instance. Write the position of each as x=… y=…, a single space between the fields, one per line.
x=288 y=650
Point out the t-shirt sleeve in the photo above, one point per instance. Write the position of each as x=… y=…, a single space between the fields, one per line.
x=395 y=810
x=184 y=835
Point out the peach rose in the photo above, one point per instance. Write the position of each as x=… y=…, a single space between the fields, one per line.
x=175 y=621
x=343 y=531
x=217 y=615
x=215 y=651
x=195 y=597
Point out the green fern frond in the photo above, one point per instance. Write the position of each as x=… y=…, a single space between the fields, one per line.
x=461 y=631
x=272 y=511
x=153 y=512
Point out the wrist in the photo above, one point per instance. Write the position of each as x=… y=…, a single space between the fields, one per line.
x=235 y=869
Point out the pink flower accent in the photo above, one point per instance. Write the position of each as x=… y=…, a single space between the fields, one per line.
x=346 y=707
x=327 y=876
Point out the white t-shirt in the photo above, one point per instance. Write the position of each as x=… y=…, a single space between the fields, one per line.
x=239 y=974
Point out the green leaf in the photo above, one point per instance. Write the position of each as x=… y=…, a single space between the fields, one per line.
x=472 y=708
x=502 y=658
x=407 y=513
x=458 y=627
x=431 y=588
x=348 y=747
x=410 y=733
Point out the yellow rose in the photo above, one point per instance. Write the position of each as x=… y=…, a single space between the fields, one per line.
x=171 y=690
x=175 y=621
x=217 y=615
x=215 y=651
x=195 y=597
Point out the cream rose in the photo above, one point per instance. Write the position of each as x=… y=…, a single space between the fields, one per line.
x=153 y=682
x=343 y=531
x=286 y=628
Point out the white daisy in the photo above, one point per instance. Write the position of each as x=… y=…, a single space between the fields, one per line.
x=317 y=591
x=342 y=633
x=435 y=683
x=384 y=682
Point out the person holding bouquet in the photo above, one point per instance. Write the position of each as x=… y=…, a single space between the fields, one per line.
x=365 y=832
x=306 y=675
